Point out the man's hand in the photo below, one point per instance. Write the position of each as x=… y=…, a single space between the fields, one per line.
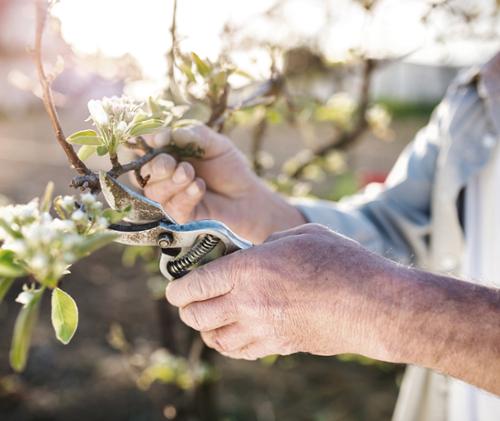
x=219 y=186
x=311 y=290
x=300 y=291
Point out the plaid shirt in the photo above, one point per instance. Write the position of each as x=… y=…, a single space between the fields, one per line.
x=414 y=218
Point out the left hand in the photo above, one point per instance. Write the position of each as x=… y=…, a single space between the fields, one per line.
x=304 y=290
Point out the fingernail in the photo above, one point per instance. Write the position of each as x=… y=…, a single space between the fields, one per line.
x=193 y=190
x=180 y=175
x=159 y=166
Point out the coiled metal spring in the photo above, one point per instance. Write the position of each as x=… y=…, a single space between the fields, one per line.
x=178 y=267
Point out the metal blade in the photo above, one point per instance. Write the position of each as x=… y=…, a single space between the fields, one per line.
x=120 y=196
x=138 y=235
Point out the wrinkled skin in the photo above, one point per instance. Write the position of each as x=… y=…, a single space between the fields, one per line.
x=309 y=289
x=219 y=186
x=297 y=292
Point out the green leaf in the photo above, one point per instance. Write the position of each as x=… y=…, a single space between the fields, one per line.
x=204 y=68
x=5 y=284
x=64 y=315
x=85 y=137
x=23 y=329
x=94 y=242
x=220 y=79
x=102 y=150
x=146 y=127
x=186 y=122
x=154 y=107
x=141 y=116
x=86 y=151
x=46 y=203
x=9 y=268
x=243 y=73
x=115 y=216
x=13 y=233
x=188 y=72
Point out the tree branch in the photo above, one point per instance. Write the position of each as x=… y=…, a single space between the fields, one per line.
x=346 y=139
x=91 y=181
x=48 y=101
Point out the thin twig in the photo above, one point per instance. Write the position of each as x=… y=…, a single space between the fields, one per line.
x=258 y=134
x=173 y=36
x=48 y=101
x=91 y=181
x=219 y=108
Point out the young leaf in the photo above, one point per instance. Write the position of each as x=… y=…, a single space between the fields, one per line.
x=94 y=242
x=85 y=137
x=47 y=197
x=188 y=72
x=5 y=226
x=64 y=315
x=86 y=151
x=9 y=268
x=203 y=67
x=23 y=329
x=146 y=127
x=115 y=216
x=153 y=107
x=141 y=116
x=242 y=73
x=102 y=150
x=5 y=284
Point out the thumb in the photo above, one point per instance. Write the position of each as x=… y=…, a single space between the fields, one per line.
x=212 y=143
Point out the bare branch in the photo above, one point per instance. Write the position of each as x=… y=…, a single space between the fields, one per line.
x=91 y=181
x=48 y=101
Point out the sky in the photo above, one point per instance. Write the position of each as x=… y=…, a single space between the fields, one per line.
x=141 y=28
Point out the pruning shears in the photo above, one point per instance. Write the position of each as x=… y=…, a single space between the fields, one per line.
x=184 y=247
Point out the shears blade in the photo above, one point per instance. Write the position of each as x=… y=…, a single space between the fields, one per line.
x=120 y=196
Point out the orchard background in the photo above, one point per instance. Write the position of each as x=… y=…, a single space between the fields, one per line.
x=322 y=96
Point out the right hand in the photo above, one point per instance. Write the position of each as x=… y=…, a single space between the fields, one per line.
x=220 y=186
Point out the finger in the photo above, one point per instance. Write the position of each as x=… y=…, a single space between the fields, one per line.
x=161 y=167
x=212 y=143
x=160 y=139
x=182 y=205
x=202 y=284
x=209 y=315
x=228 y=338
x=163 y=190
x=250 y=352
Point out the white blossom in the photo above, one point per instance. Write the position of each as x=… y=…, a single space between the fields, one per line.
x=78 y=215
x=48 y=246
x=97 y=113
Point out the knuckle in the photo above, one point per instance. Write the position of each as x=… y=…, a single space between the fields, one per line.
x=196 y=288
x=316 y=228
x=190 y=316
x=169 y=160
x=224 y=341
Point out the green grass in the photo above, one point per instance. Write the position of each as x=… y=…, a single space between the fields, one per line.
x=402 y=110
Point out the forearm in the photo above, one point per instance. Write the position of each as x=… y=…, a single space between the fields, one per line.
x=280 y=215
x=444 y=324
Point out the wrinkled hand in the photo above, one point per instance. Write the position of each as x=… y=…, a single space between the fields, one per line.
x=304 y=290
x=219 y=186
